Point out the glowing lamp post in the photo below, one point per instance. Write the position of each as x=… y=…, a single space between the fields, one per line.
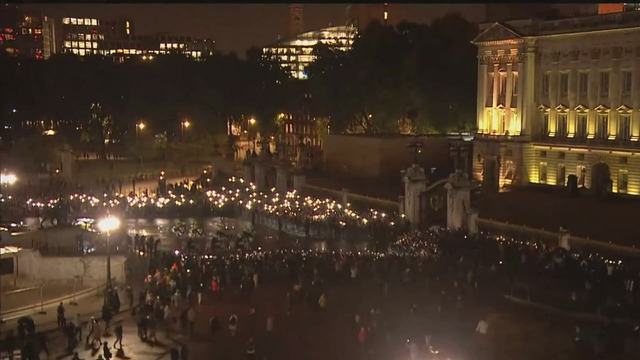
x=107 y=225
x=252 y=134
x=139 y=127
x=183 y=126
x=8 y=179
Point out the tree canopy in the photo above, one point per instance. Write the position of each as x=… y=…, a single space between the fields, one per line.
x=409 y=78
x=422 y=75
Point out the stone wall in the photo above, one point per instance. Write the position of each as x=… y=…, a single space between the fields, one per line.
x=31 y=264
x=374 y=156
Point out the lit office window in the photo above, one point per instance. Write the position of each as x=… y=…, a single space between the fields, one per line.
x=66 y=21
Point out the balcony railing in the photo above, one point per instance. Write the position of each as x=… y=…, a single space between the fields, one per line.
x=581 y=141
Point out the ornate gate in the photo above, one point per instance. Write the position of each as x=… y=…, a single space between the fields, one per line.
x=433 y=204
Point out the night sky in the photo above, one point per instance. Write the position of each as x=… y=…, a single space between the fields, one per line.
x=236 y=27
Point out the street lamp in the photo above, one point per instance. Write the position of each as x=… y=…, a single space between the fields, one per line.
x=107 y=225
x=139 y=127
x=184 y=125
x=252 y=122
x=8 y=179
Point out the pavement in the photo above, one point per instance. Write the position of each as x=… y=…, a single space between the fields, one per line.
x=28 y=293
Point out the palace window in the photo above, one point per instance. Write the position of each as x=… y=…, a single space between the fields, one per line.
x=489 y=99
x=561 y=175
x=581 y=130
x=625 y=127
x=627 y=82
x=514 y=84
x=581 y=172
x=604 y=83
x=603 y=126
x=623 y=181
x=543 y=172
x=584 y=83
x=510 y=170
x=545 y=124
x=562 y=125
x=545 y=84
x=564 y=84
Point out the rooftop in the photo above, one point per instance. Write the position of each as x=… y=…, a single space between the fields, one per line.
x=537 y=27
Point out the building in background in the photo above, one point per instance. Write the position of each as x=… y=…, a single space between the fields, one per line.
x=39 y=36
x=25 y=34
x=296 y=54
x=559 y=98
x=117 y=38
x=545 y=11
x=295 y=20
x=81 y=36
x=361 y=15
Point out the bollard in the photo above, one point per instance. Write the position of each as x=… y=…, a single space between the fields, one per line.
x=42 y=312
x=75 y=282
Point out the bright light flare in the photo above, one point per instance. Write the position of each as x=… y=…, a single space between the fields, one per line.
x=108 y=224
x=8 y=179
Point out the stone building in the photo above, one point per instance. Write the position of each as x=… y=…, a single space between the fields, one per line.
x=560 y=97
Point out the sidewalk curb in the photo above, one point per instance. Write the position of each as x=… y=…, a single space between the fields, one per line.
x=43 y=327
x=12 y=314
x=575 y=315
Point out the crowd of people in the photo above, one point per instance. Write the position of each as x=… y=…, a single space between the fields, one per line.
x=464 y=271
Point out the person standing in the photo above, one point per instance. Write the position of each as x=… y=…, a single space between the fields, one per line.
x=362 y=338
x=251 y=349
x=130 y=296
x=214 y=326
x=233 y=324
x=62 y=321
x=167 y=315
x=322 y=302
x=92 y=325
x=191 y=316
x=70 y=332
x=482 y=340
x=270 y=325
x=96 y=333
x=106 y=316
x=10 y=344
x=78 y=326
x=118 y=331
x=184 y=352
x=288 y=303
x=105 y=351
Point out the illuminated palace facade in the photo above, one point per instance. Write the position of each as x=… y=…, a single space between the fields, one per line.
x=557 y=98
x=296 y=54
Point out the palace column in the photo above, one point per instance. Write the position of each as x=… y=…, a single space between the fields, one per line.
x=507 y=101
